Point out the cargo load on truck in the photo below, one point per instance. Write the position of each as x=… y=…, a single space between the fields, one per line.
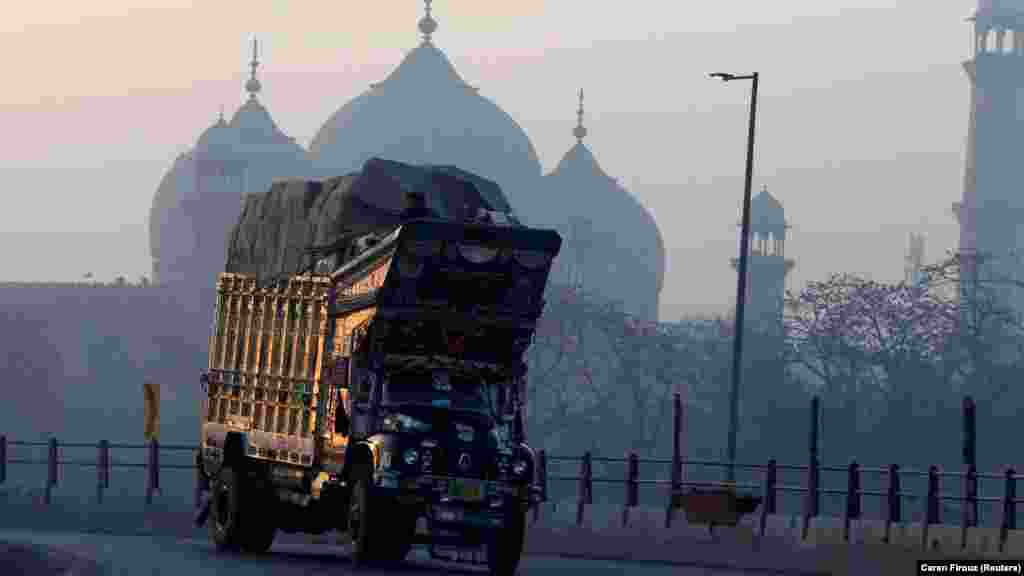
x=381 y=387
x=277 y=228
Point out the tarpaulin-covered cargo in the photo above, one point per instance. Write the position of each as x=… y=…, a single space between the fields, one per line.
x=276 y=229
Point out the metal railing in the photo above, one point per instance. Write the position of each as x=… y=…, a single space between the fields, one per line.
x=769 y=488
x=103 y=463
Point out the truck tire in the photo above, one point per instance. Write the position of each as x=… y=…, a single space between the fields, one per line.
x=400 y=534
x=360 y=521
x=258 y=527
x=234 y=524
x=225 y=510
x=506 y=545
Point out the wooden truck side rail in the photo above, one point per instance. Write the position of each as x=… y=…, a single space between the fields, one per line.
x=265 y=363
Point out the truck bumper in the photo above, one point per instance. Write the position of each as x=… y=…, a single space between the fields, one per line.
x=450 y=519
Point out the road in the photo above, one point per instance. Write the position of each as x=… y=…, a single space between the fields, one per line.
x=160 y=556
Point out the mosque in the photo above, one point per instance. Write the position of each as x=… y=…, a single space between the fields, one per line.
x=424 y=112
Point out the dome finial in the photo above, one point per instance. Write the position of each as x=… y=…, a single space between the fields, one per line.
x=220 y=116
x=427 y=24
x=253 y=85
x=580 y=132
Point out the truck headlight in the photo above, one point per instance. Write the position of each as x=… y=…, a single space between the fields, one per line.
x=402 y=422
x=411 y=456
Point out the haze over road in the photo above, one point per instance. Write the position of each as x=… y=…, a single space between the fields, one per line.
x=159 y=556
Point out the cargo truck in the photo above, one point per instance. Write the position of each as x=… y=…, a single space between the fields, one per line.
x=385 y=395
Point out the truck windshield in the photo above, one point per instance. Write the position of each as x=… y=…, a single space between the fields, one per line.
x=427 y=389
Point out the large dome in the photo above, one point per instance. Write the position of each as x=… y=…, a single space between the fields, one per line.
x=199 y=198
x=612 y=243
x=425 y=113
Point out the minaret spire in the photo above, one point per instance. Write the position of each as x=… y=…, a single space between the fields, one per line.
x=427 y=24
x=580 y=132
x=253 y=86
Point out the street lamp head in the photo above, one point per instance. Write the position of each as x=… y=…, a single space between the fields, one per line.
x=723 y=76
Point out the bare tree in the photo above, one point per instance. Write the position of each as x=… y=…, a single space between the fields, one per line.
x=986 y=349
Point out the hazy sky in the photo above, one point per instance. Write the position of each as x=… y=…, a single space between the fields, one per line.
x=863 y=113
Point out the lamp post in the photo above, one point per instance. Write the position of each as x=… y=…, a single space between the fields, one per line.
x=741 y=283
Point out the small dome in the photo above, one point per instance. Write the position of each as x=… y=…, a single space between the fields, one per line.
x=218 y=141
x=767 y=214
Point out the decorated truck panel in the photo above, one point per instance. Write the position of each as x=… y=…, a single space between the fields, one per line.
x=264 y=371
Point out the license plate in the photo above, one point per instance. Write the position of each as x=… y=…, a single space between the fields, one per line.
x=469 y=490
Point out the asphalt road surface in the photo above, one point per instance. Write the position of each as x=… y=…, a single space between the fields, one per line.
x=166 y=556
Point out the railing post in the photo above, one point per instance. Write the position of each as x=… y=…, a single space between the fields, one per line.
x=153 y=483
x=632 y=486
x=970 y=511
x=812 y=503
x=931 y=504
x=585 y=495
x=1009 y=508
x=676 y=490
x=770 y=476
x=51 y=466
x=102 y=469
x=3 y=459
x=542 y=471
x=894 y=499
x=200 y=484
x=970 y=454
x=970 y=504
x=852 y=498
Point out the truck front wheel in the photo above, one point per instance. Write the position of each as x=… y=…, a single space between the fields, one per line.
x=360 y=520
x=231 y=529
x=506 y=545
x=400 y=534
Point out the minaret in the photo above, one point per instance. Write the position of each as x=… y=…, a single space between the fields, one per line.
x=427 y=24
x=768 y=265
x=914 y=261
x=992 y=205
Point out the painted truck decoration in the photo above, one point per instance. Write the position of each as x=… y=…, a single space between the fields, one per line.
x=380 y=397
